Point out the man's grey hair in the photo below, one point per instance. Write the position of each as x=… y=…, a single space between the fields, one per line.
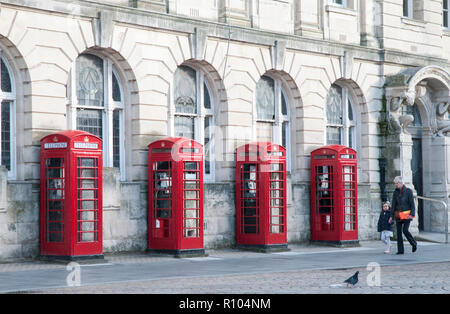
x=398 y=179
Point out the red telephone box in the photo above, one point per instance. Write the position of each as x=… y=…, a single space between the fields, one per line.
x=261 y=196
x=71 y=196
x=175 y=198
x=334 y=201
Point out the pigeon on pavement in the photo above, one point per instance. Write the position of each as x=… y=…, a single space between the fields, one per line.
x=352 y=280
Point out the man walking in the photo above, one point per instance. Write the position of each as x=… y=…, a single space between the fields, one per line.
x=403 y=211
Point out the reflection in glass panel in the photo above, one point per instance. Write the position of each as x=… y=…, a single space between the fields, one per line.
x=284 y=110
x=55 y=215
x=116 y=89
x=90 y=121
x=191 y=165
x=89 y=73
x=334 y=105
x=265 y=98
x=333 y=135
x=349 y=111
x=116 y=138
x=185 y=90
x=5 y=78
x=6 y=134
x=206 y=97
x=184 y=127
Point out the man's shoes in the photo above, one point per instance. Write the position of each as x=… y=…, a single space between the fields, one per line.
x=399 y=253
x=414 y=248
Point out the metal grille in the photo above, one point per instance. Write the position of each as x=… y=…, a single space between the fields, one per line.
x=276 y=198
x=249 y=199
x=162 y=198
x=191 y=199
x=87 y=192
x=54 y=169
x=349 y=184
x=324 y=199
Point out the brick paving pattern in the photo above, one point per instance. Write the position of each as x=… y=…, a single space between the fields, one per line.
x=433 y=278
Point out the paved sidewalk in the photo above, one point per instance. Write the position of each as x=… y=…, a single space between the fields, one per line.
x=303 y=269
x=433 y=278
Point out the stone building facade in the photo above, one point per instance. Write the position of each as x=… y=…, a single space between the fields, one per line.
x=373 y=75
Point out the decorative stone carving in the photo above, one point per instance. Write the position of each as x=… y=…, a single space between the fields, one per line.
x=443 y=124
x=398 y=121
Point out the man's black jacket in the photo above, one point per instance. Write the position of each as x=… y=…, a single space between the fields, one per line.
x=403 y=200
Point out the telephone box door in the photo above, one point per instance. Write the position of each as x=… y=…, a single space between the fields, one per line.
x=88 y=203
x=54 y=218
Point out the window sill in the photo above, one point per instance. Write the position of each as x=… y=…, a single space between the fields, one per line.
x=341 y=10
x=446 y=31
x=413 y=22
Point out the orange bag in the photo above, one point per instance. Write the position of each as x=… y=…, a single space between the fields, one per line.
x=404 y=215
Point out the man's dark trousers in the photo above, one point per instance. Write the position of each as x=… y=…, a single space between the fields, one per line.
x=403 y=225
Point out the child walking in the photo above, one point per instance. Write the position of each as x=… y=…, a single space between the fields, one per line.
x=384 y=226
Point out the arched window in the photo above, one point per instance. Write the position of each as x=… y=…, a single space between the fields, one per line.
x=340 y=117
x=272 y=114
x=8 y=100
x=97 y=106
x=194 y=112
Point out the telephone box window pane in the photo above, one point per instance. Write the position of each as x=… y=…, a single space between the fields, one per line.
x=90 y=121
x=6 y=134
x=87 y=214
x=191 y=165
x=55 y=173
x=191 y=200
x=161 y=165
x=276 y=198
x=55 y=215
x=56 y=205
x=162 y=184
x=265 y=98
x=349 y=198
x=249 y=205
x=324 y=189
x=5 y=78
x=86 y=162
x=184 y=127
x=55 y=199
x=89 y=73
x=55 y=237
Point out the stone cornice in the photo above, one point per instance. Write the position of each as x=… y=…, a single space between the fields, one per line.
x=149 y=19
